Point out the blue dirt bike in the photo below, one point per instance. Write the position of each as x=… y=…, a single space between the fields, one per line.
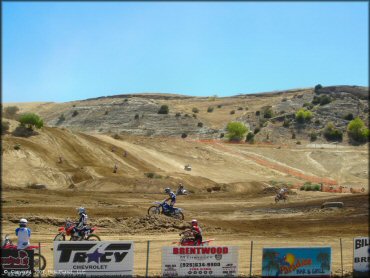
x=164 y=208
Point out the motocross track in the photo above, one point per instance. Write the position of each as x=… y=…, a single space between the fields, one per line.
x=229 y=196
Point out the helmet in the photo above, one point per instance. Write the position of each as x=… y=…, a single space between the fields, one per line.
x=167 y=190
x=181 y=185
x=194 y=222
x=81 y=210
x=23 y=222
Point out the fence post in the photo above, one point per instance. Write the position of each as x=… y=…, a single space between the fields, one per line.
x=147 y=258
x=40 y=260
x=341 y=255
x=250 y=260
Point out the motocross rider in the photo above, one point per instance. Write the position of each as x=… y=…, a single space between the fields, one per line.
x=82 y=222
x=172 y=197
x=282 y=192
x=197 y=232
x=23 y=233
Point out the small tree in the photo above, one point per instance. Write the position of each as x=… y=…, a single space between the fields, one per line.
x=163 y=109
x=357 y=130
x=268 y=113
x=318 y=87
x=250 y=137
x=236 y=131
x=195 y=110
x=10 y=111
x=31 y=120
x=200 y=124
x=313 y=136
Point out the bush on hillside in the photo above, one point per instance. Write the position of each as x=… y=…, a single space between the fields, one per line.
x=200 y=124
x=232 y=112
x=331 y=133
x=240 y=108
x=184 y=135
x=177 y=114
x=195 y=110
x=219 y=106
x=250 y=137
x=256 y=130
x=308 y=105
x=322 y=100
x=303 y=115
x=210 y=109
x=348 y=117
x=4 y=127
x=74 y=113
x=31 y=120
x=357 y=131
x=163 y=109
x=10 y=112
x=258 y=113
x=236 y=131
x=286 y=123
x=268 y=113
x=313 y=136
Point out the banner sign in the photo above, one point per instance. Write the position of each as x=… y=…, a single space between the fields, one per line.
x=187 y=261
x=93 y=258
x=16 y=263
x=361 y=257
x=296 y=262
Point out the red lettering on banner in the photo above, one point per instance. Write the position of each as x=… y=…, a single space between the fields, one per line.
x=175 y=250
x=200 y=250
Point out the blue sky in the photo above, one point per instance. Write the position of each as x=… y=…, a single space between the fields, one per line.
x=63 y=51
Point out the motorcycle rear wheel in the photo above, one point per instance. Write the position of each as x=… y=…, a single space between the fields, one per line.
x=60 y=237
x=93 y=237
x=39 y=260
x=153 y=210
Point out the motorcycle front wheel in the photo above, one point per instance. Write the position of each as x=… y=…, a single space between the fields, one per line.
x=178 y=215
x=60 y=237
x=93 y=237
x=39 y=262
x=153 y=210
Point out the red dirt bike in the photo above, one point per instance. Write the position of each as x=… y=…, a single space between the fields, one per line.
x=187 y=239
x=39 y=262
x=68 y=230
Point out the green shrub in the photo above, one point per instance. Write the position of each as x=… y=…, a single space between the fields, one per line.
x=125 y=100
x=348 y=117
x=317 y=122
x=236 y=131
x=4 y=127
x=357 y=130
x=302 y=187
x=184 y=135
x=210 y=109
x=303 y=115
x=286 y=123
x=106 y=112
x=74 y=113
x=31 y=120
x=258 y=113
x=10 y=111
x=313 y=136
x=250 y=137
x=222 y=135
x=163 y=109
x=246 y=108
x=17 y=147
x=194 y=116
x=240 y=108
x=232 y=112
x=219 y=106
x=331 y=133
x=268 y=113
x=322 y=100
x=298 y=143
x=149 y=175
x=316 y=187
x=256 y=130
x=195 y=110
x=200 y=124
x=284 y=99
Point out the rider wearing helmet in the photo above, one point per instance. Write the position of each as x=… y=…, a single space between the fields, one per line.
x=282 y=192
x=82 y=221
x=23 y=233
x=197 y=232
x=172 y=197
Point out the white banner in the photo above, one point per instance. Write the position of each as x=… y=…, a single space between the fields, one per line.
x=93 y=258
x=361 y=256
x=186 y=261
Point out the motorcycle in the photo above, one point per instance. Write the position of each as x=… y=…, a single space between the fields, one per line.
x=281 y=197
x=187 y=239
x=39 y=262
x=69 y=230
x=164 y=208
x=182 y=191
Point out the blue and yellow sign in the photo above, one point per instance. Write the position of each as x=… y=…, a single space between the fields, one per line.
x=296 y=262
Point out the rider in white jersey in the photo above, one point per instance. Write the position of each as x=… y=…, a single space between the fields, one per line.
x=23 y=233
